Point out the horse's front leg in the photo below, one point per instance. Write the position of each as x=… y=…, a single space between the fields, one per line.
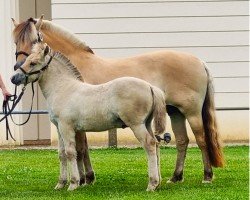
x=68 y=135
x=83 y=158
x=63 y=164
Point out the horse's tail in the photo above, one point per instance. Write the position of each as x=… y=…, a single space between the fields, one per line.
x=158 y=110
x=214 y=147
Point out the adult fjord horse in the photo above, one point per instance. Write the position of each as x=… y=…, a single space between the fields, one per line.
x=183 y=78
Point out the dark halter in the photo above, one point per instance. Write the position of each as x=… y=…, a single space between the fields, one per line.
x=28 y=74
x=39 y=39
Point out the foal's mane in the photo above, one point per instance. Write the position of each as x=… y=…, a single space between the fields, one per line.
x=69 y=66
x=23 y=33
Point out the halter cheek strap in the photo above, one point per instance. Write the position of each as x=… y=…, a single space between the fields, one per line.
x=21 y=53
x=39 y=39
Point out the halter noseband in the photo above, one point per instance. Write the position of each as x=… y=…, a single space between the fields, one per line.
x=39 y=39
x=28 y=74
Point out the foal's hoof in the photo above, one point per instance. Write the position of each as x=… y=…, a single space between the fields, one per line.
x=153 y=185
x=60 y=185
x=73 y=186
x=151 y=188
x=90 y=178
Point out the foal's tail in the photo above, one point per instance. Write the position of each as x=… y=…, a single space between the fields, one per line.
x=210 y=126
x=158 y=110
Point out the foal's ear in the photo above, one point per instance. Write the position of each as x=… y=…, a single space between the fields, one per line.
x=14 y=22
x=39 y=23
x=46 y=51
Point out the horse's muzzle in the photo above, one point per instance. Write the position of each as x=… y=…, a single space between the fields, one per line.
x=17 y=79
x=18 y=64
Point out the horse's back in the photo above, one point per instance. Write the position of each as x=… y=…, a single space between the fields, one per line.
x=180 y=75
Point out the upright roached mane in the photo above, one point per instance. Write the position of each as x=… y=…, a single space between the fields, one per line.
x=66 y=62
x=24 y=32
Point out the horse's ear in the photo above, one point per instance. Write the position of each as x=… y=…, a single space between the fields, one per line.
x=46 y=51
x=14 y=22
x=39 y=23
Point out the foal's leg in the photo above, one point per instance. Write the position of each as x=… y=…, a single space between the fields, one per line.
x=149 y=128
x=68 y=135
x=83 y=158
x=63 y=164
x=149 y=144
x=178 y=122
x=196 y=124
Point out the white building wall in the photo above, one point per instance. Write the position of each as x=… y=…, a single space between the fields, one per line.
x=8 y=9
x=215 y=31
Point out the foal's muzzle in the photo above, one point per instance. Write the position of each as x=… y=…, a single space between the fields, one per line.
x=18 y=79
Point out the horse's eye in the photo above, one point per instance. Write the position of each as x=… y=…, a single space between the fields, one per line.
x=32 y=64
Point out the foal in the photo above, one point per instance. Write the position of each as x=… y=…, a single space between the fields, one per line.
x=76 y=106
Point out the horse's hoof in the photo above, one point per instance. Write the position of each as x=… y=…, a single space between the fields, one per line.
x=177 y=177
x=207 y=181
x=172 y=180
x=151 y=188
x=90 y=178
x=82 y=181
x=73 y=186
x=59 y=186
x=169 y=181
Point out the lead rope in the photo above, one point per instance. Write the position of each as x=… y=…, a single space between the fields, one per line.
x=7 y=109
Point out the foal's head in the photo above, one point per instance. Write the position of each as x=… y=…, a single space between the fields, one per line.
x=25 y=35
x=34 y=65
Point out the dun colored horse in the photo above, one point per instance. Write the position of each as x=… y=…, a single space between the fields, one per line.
x=125 y=101
x=183 y=77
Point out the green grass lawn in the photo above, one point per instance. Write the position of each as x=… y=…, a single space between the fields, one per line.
x=122 y=174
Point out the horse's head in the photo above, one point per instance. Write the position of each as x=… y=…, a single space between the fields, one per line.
x=25 y=35
x=34 y=65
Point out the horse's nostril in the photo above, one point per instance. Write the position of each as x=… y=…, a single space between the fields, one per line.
x=16 y=66
x=13 y=79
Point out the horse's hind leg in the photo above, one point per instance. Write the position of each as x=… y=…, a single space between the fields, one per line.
x=68 y=136
x=196 y=124
x=84 y=159
x=149 y=144
x=79 y=157
x=90 y=175
x=178 y=122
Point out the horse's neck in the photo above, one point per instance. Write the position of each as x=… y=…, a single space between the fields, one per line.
x=60 y=40
x=56 y=79
x=90 y=65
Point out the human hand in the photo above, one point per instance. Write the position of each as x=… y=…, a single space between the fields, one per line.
x=5 y=93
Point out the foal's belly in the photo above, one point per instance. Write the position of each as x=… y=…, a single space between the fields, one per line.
x=98 y=123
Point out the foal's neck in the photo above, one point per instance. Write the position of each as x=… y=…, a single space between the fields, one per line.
x=57 y=78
